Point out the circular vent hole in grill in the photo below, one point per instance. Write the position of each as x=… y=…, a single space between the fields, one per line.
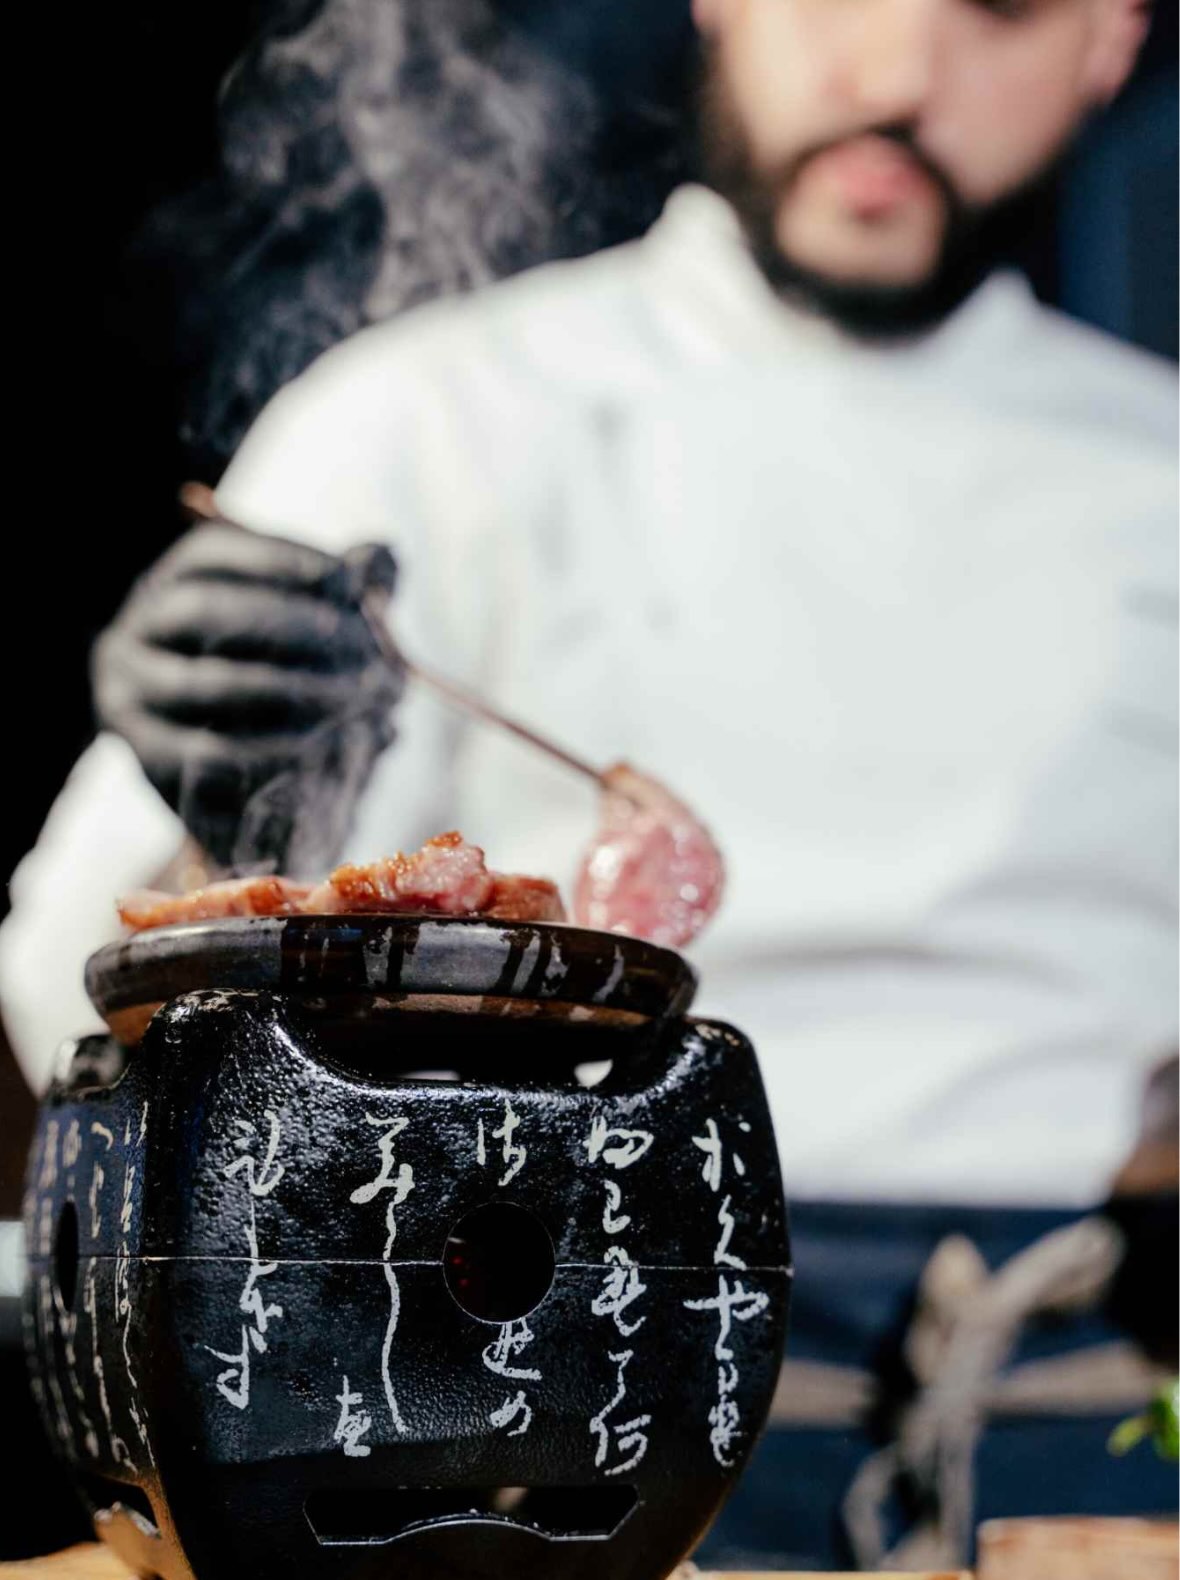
x=65 y=1256
x=498 y=1262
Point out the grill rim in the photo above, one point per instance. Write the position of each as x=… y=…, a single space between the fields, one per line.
x=549 y=963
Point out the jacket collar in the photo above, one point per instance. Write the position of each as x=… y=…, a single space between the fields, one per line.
x=711 y=294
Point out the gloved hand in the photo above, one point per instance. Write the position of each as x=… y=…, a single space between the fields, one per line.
x=243 y=674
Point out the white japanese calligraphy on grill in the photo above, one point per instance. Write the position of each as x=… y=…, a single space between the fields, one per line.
x=619 y=1148
x=512 y=1339
x=623 y=1437
x=514 y=1153
x=513 y=1410
x=233 y=1384
x=614 y=1222
x=401 y=1182
x=722 y=1256
x=733 y=1303
x=353 y=1423
x=71 y=1149
x=260 y=1178
x=621 y=1287
x=396 y=1176
x=710 y=1144
x=123 y=1308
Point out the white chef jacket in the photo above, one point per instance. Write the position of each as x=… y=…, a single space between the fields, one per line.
x=897 y=622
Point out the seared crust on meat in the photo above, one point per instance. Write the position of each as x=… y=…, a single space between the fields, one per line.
x=267 y=896
x=447 y=877
x=519 y=899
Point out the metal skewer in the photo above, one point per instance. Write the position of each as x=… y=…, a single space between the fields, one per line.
x=200 y=501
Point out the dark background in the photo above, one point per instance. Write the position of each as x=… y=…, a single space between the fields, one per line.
x=121 y=118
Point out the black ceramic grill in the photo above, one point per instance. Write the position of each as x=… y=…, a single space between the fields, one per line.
x=370 y=1246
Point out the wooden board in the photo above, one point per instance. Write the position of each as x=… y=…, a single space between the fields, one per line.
x=80 y=1563
x=1079 y=1549
x=98 y=1563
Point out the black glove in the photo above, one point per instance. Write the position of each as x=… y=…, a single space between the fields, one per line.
x=243 y=674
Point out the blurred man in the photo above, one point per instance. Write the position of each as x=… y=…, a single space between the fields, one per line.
x=804 y=505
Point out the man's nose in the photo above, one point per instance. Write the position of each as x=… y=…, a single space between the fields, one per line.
x=888 y=66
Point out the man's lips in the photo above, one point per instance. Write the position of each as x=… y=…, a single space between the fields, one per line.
x=873 y=175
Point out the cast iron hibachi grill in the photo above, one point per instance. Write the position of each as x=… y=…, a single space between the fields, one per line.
x=340 y=1268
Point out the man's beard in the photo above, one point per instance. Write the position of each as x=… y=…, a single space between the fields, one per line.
x=976 y=238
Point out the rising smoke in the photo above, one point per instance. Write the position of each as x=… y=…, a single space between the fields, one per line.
x=377 y=154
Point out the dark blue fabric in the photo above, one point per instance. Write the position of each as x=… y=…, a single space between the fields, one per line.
x=856 y=1271
x=1117 y=219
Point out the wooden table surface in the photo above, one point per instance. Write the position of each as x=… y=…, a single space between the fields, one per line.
x=98 y=1563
